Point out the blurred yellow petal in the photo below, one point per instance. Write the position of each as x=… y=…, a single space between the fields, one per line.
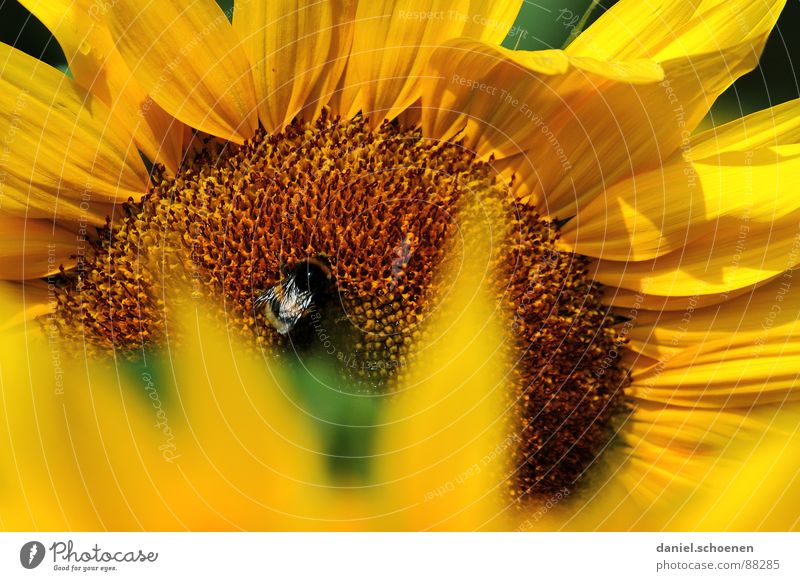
x=298 y=49
x=760 y=493
x=715 y=479
x=247 y=452
x=189 y=60
x=490 y=21
x=99 y=69
x=702 y=478
x=64 y=153
x=118 y=446
x=447 y=437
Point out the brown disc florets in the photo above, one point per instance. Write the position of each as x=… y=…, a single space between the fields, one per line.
x=381 y=208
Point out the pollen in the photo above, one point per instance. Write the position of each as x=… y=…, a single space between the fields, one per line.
x=383 y=207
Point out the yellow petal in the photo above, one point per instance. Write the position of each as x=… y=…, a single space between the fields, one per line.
x=737 y=255
x=393 y=41
x=664 y=29
x=490 y=21
x=34 y=248
x=736 y=479
x=577 y=122
x=682 y=460
x=739 y=371
x=31 y=299
x=64 y=154
x=718 y=25
x=188 y=59
x=631 y=302
x=631 y=29
x=662 y=210
x=99 y=69
x=593 y=123
x=298 y=49
x=767 y=311
x=690 y=431
x=779 y=125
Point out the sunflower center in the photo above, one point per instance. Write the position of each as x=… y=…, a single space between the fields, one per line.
x=326 y=239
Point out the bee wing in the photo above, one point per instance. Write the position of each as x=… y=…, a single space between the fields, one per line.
x=293 y=303
x=265 y=298
x=284 y=304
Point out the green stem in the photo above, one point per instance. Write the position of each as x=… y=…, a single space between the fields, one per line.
x=581 y=23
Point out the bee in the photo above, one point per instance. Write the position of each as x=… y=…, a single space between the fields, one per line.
x=307 y=284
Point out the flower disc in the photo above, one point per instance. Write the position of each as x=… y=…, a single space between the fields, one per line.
x=393 y=216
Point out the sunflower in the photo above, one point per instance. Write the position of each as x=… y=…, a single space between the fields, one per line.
x=354 y=265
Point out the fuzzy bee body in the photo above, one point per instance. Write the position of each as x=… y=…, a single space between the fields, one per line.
x=305 y=285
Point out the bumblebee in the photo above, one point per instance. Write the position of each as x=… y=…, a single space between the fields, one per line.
x=305 y=285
